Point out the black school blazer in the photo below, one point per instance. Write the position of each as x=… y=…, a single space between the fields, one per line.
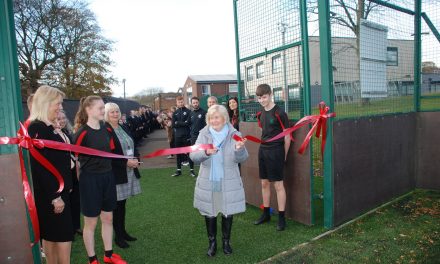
x=119 y=166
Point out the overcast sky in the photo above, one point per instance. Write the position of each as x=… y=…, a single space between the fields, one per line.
x=160 y=42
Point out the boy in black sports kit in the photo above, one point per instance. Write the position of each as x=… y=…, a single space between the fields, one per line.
x=272 y=155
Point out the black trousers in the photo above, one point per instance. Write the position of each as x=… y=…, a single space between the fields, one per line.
x=119 y=219
x=182 y=142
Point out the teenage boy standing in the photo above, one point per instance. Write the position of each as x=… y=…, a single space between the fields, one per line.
x=272 y=155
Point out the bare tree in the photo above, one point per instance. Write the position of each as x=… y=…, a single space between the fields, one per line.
x=35 y=22
x=60 y=43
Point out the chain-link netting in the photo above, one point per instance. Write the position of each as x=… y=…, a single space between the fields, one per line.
x=430 y=89
x=269 y=34
x=372 y=57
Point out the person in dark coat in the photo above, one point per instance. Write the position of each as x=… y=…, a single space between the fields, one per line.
x=198 y=122
x=181 y=127
x=145 y=121
x=198 y=119
x=127 y=182
x=54 y=213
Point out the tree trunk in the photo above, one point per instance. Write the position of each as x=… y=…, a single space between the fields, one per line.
x=34 y=77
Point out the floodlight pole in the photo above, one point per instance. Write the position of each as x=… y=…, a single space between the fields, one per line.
x=283 y=28
x=125 y=102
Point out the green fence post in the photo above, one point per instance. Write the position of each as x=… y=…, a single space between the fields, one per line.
x=237 y=55
x=328 y=98
x=417 y=53
x=306 y=92
x=10 y=93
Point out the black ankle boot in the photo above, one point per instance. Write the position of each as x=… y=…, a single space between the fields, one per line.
x=281 y=221
x=211 y=227
x=265 y=217
x=226 y=229
x=128 y=237
x=120 y=242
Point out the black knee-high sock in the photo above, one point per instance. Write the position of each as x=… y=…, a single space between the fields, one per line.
x=267 y=211
x=108 y=253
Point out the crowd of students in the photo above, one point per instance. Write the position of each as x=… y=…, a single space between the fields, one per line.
x=140 y=122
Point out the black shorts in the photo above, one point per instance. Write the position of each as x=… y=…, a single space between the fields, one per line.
x=97 y=193
x=271 y=163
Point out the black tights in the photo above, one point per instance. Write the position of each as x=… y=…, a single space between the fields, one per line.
x=119 y=219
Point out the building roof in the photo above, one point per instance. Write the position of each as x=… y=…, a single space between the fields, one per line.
x=214 y=78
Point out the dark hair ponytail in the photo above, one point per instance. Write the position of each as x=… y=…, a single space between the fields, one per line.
x=81 y=116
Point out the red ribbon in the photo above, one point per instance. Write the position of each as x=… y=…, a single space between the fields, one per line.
x=181 y=150
x=319 y=124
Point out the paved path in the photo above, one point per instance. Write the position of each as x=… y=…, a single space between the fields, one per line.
x=156 y=140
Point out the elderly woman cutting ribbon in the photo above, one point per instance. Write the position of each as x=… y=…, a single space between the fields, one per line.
x=219 y=188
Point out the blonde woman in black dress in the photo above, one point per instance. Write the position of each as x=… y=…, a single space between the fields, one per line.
x=53 y=208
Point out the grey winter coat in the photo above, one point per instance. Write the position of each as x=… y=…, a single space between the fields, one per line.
x=232 y=188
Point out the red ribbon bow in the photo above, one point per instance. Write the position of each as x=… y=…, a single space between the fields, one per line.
x=319 y=125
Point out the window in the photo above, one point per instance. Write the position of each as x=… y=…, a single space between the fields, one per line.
x=392 y=56
x=294 y=92
x=260 y=70
x=189 y=94
x=206 y=89
x=233 y=88
x=250 y=73
x=276 y=64
x=278 y=94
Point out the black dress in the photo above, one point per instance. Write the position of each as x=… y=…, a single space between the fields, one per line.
x=53 y=227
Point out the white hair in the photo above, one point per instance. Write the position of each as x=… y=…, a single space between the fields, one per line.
x=110 y=107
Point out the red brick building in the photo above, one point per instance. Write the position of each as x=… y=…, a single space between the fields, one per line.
x=164 y=101
x=202 y=85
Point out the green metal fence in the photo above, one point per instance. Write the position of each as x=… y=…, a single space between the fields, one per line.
x=363 y=58
x=383 y=63
x=270 y=51
x=373 y=59
x=430 y=38
x=376 y=52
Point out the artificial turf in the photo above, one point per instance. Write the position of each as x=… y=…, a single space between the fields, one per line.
x=170 y=230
